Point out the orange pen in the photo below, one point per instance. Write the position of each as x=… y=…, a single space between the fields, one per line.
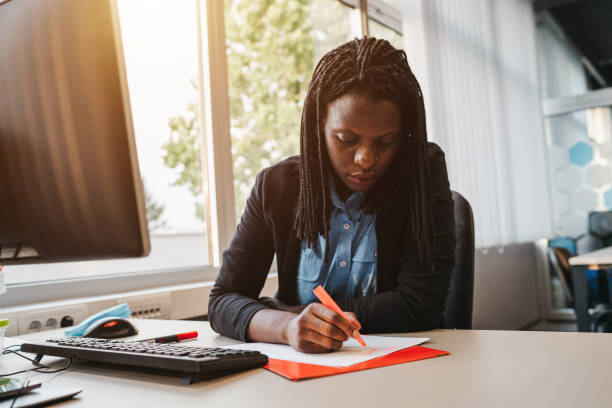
x=329 y=302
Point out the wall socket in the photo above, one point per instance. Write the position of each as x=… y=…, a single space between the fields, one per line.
x=158 y=306
x=51 y=318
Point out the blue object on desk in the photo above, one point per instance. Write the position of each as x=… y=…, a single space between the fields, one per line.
x=122 y=310
x=568 y=243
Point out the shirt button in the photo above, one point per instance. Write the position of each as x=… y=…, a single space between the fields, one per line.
x=343 y=263
x=346 y=225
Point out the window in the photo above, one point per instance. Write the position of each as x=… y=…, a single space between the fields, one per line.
x=574 y=87
x=161 y=58
x=381 y=31
x=579 y=147
x=574 y=81
x=560 y=64
x=271 y=49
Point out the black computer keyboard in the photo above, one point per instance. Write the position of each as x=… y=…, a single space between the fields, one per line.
x=193 y=362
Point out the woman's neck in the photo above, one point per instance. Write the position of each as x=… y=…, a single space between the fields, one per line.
x=343 y=191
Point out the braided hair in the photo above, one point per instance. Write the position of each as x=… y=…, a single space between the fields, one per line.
x=373 y=68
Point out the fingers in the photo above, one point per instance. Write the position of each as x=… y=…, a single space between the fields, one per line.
x=318 y=329
x=308 y=347
x=335 y=319
x=326 y=322
x=354 y=320
x=318 y=339
x=303 y=335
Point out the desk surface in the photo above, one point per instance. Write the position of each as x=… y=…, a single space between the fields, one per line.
x=485 y=369
x=600 y=257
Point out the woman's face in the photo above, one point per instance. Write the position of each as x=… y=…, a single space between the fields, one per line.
x=362 y=137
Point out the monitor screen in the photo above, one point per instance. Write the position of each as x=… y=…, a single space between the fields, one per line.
x=70 y=188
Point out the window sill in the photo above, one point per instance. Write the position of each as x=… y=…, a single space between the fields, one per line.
x=188 y=290
x=36 y=292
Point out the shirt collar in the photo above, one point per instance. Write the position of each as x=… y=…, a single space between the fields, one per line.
x=352 y=206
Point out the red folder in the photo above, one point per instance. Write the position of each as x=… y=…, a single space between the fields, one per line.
x=301 y=371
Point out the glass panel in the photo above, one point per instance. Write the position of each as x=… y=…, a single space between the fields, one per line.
x=378 y=30
x=560 y=68
x=579 y=148
x=160 y=46
x=272 y=48
x=394 y=3
x=573 y=53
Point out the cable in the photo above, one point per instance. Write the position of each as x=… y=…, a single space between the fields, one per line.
x=38 y=369
x=20 y=392
x=55 y=370
x=5 y=351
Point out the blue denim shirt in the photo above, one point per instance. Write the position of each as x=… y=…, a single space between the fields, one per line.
x=351 y=270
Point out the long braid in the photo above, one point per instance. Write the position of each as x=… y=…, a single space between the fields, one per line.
x=375 y=68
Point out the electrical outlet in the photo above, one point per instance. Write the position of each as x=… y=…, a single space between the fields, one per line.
x=150 y=306
x=51 y=318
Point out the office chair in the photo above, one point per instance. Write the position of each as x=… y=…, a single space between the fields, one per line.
x=460 y=299
x=601 y=314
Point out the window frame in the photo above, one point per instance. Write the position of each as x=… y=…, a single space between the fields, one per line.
x=215 y=125
x=378 y=10
x=217 y=166
x=552 y=107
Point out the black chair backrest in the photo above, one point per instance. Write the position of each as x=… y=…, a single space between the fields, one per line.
x=458 y=307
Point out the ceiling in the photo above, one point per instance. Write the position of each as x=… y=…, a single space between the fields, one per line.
x=588 y=26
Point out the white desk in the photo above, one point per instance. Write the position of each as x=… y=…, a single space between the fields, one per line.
x=600 y=257
x=485 y=369
x=599 y=260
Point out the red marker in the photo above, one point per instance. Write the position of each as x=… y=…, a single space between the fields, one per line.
x=172 y=338
x=329 y=302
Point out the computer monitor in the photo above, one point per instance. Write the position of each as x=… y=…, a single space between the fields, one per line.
x=70 y=187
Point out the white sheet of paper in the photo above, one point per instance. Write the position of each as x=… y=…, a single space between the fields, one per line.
x=350 y=353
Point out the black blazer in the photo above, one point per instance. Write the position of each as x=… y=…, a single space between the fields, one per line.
x=409 y=296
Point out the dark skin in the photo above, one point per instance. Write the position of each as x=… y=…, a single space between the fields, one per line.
x=362 y=138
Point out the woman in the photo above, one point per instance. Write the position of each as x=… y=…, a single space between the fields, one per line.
x=365 y=210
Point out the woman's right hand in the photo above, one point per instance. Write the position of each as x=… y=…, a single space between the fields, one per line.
x=318 y=329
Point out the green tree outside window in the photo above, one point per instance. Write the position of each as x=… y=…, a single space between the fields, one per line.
x=272 y=46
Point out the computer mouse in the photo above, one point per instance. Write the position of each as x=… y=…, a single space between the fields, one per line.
x=111 y=328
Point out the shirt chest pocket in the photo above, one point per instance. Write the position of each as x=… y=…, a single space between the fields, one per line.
x=311 y=265
x=366 y=251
